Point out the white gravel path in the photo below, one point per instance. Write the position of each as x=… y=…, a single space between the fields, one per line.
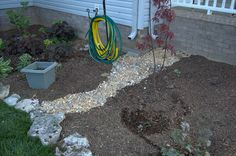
x=126 y=71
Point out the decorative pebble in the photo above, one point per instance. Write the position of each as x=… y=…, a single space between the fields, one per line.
x=126 y=71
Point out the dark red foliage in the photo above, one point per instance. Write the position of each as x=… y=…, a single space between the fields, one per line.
x=18 y=45
x=160 y=42
x=165 y=16
x=62 y=31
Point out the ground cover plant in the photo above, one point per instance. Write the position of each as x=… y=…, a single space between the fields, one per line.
x=24 y=60
x=14 y=125
x=39 y=42
x=5 y=67
x=184 y=145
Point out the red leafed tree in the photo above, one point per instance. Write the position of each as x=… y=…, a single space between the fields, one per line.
x=163 y=17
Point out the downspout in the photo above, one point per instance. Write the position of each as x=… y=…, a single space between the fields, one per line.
x=152 y=23
x=134 y=30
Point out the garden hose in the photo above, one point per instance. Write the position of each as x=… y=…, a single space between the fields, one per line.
x=111 y=51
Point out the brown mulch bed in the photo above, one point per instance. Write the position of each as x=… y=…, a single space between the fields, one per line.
x=78 y=73
x=138 y=120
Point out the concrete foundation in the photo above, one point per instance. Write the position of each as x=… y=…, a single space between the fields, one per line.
x=196 y=33
x=211 y=36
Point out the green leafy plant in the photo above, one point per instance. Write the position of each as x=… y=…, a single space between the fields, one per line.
x=184 y=145
x=55 y=22
x=2 y=45
x=18 y=18
x=177 y=72
x=24 y=60
x=43 y=30
x=5 y=67
x=49 y=42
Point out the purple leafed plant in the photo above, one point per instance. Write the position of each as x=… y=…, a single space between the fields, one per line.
x=164 y=16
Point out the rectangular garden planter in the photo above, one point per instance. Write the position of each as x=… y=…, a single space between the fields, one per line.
x=40 y=75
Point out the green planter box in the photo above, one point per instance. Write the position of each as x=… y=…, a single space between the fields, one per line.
x=40 y=75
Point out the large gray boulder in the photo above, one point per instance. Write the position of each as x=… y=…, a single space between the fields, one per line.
x=4 y=91
x=47 y=128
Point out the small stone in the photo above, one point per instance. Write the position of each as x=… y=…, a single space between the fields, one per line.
x=76 y=139
x=4 y=91
x=86 y=47
x=12 y=100
x=171 y=86
x=185 y=126
x=75 y=145
x=27 y=105
x=105 y=74
x=58 y=152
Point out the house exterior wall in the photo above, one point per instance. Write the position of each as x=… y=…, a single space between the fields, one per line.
x=6 y=4
x=119 y=10
x=79 y=23
x=211 y=36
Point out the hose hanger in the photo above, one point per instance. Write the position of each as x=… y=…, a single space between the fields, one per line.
x=109 y=52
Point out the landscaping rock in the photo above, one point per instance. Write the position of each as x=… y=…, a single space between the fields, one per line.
x=4 y=91
x=47 y=128
x=12 y=100
x=27 y=105
x=74 y=145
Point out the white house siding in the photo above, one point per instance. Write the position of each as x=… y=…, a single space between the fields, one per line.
x=121 y=11
x=6 y=4
x=146 y=13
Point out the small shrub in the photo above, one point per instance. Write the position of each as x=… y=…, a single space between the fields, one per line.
x=49 y=42
x=24 y=60
x=62 y=31
x=5 y=67
x=184 y=145
x=19 y=45
x=164 y=16
x=18 y=18
x=58 y=52
x=43 y=30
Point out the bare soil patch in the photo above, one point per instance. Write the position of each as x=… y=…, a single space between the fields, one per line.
x=139 y=119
